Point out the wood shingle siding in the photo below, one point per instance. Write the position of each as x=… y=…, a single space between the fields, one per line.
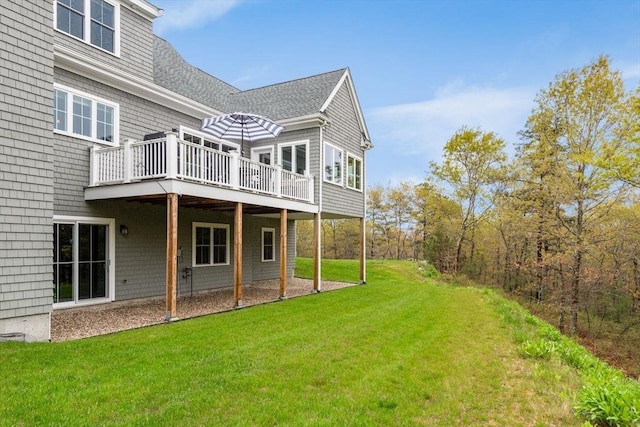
x=26 y=168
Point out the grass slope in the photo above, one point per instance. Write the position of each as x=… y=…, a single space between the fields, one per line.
x=401 y=350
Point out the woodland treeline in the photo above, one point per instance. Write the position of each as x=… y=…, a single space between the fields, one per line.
x=559 y=223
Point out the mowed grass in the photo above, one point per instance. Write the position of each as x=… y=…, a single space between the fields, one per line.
x=400 y=350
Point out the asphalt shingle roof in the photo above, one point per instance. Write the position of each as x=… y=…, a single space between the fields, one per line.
x=294 y=98
x=172 y=72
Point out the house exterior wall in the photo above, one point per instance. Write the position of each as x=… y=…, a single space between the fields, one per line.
x=313 y=137
x=141 y=255
x=26 y=168
x=43 y=174
x=137 y=118
x=345 y=134
x=136 y=45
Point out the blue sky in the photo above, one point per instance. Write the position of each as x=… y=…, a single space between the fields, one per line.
x=422 y=69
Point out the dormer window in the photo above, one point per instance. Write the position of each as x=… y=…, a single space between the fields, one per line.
x=92 y=21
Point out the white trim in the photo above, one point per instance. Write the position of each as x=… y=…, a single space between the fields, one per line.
x=350 y=155
x=94 y=116
x=304 y=122
x=111 y=258
x=256 y=151
x=335 y=149
x=87 y=26
x=85 y=66
x=354 y=100
x=207 y=136
x=143 y=8
x=273 y=244
x=211 y=226
x=90 y=68
x=304 y=142
x=186 y=188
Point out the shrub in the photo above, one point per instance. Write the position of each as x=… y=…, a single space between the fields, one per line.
x=538 y=349
x=428 y=270
x=609 y=399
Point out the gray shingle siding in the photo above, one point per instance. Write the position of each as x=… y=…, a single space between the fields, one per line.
x=26 y=167
x=136 y=45
x=43 y=174
x=137 y=118
x=140 y=256
x=343 y=133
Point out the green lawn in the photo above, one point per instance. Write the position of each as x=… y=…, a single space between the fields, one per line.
x=400 y=350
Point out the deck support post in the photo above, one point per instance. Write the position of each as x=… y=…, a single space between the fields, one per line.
x=363 y=246
x=283 y=254
x=317 y=281
x=237 y=256
x=172 y=255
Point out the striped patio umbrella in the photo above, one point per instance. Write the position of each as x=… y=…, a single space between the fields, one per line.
x=241 y=126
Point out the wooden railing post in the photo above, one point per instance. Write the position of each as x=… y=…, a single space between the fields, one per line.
x=172 y=154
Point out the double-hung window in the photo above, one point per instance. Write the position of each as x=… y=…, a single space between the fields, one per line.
x=268 y=244
x=332 y=164
x=210 y=244
x=92 y=21
x=82 y=115
x=354 y=172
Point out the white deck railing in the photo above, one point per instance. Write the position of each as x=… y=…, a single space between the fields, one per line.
x=171 y=157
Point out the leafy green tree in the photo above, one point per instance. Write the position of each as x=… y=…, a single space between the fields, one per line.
x=585 y=114
x=473 y=162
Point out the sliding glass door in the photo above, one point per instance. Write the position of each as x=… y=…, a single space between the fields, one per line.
x=80 y=262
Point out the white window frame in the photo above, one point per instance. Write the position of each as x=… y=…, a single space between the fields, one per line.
x=361 y=170
x=87 y=26
x=94 y=116
x=293 y=158
x=208 y=137
x=111 y=257
x=211 y=227
x=334 y=179
x=273 y=244
x=256 y=151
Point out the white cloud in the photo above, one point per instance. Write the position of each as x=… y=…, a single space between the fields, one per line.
x=408 y=136
x=631 y=71
x=190 y=14
x=426 y=126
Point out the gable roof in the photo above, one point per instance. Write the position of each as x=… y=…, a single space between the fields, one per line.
x=294 y=98
x=300 y=98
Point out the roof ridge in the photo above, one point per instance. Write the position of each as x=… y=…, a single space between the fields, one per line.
x=342 y=70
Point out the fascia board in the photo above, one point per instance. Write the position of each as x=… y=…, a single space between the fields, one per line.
x=304 y=122
x=151 y=188
x=143 y=8
x=346 y=77
x=79 y=64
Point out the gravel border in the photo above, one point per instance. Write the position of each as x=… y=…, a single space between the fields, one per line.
x=83 y=322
